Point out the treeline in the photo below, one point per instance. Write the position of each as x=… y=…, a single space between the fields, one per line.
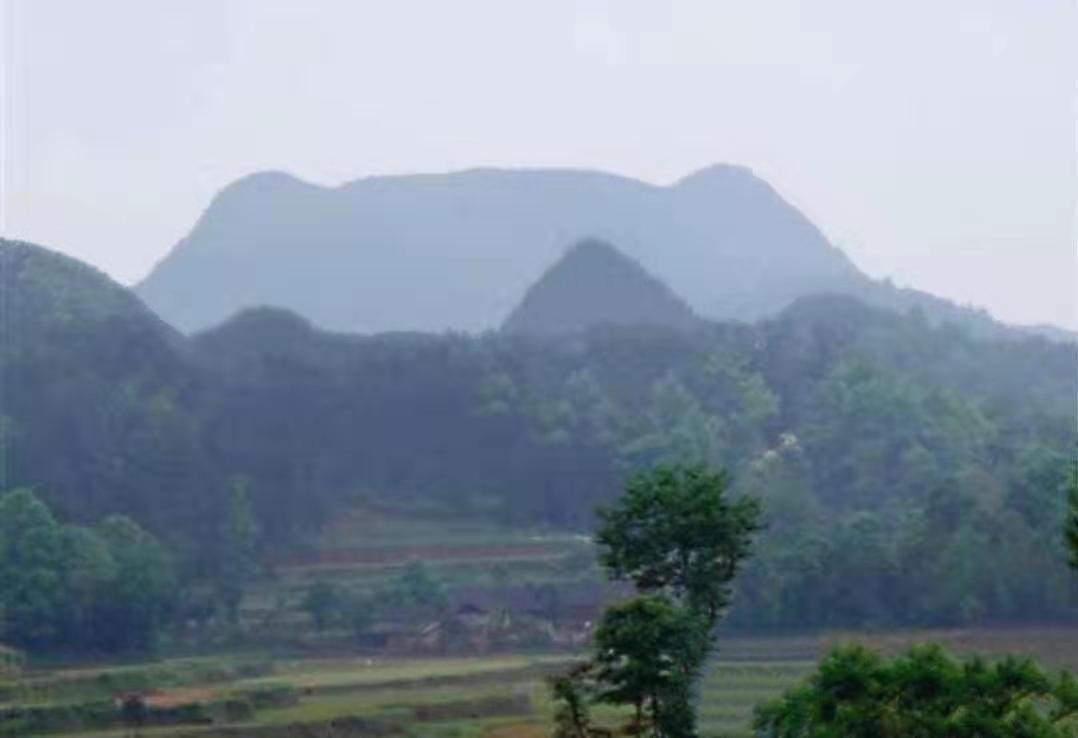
x=107 y=588
x=911 y=474
x=967 y=554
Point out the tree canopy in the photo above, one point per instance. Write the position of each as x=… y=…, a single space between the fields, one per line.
x=676 y=532
x=876 y=440
x=856 y=693
x=680 y=540
x=106 y=588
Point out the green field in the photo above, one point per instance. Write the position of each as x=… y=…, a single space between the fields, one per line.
x=364 y=550
x=282 y=680
x=497 y=696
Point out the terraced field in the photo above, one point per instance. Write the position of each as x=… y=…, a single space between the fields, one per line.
x=733 y=689
x=303 y=686
x=365 y=549
x=489 y=697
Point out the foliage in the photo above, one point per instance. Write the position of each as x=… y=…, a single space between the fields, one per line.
x=647 y=654
x=143 y=592
x=573 y=693
x=99 y=415
x=31 y=584
x=680 y=540
x=106 y=588
x=676 y=532
x=236 y=561
x=361 y=612
x=857 y=694
x=415 y=594
x=892 y=454
x=324 y=602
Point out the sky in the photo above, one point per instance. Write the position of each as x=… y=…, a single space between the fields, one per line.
x=932 y=140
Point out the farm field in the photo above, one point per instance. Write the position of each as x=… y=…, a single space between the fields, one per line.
x=293 y=681
x=367 y=548
x=495 y=696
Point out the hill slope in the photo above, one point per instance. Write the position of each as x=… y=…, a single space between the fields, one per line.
x=595 y=284
x=880 y=443
x=96 y=396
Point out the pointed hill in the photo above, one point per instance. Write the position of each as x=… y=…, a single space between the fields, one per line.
x=595 y=284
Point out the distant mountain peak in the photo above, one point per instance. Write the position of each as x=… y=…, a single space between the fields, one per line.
x=269 y=179
x=595 y=284
x=721 y=176
x=267 y=186
x=594 y=248
x=456 y=250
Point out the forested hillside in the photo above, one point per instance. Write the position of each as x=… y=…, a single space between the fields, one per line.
x=100 y=402
x=893 y=457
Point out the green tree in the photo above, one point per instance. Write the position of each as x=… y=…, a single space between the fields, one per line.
x=678 y=429
x=676 y=532
x=678 y=537
x=31 y=587
x=323 y=602
x=361 y=613
x=89 y=572
x=856 y=693
x=143 y=593
x=573 y=693
x=419 y=591
x=239 y=537
x=646 y=656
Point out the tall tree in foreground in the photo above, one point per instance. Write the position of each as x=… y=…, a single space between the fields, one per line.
x=676 y=533
x=856 y=693
x=679 y=539
x=647 y=656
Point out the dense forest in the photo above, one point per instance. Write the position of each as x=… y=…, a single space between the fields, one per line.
x=911 y=474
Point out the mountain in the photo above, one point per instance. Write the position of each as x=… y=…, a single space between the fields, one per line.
x=96 y=396
x=595 y=284
x=436 y=252
x=456 y=251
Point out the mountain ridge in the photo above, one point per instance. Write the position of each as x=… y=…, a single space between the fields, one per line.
x=471 y=242
x=456 y=250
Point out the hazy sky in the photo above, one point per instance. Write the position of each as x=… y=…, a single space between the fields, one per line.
x=933 y=140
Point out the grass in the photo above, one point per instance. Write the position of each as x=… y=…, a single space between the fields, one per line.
x=499 y=696
x=731 y=691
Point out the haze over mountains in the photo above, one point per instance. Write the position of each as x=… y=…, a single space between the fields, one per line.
x=456 y=251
